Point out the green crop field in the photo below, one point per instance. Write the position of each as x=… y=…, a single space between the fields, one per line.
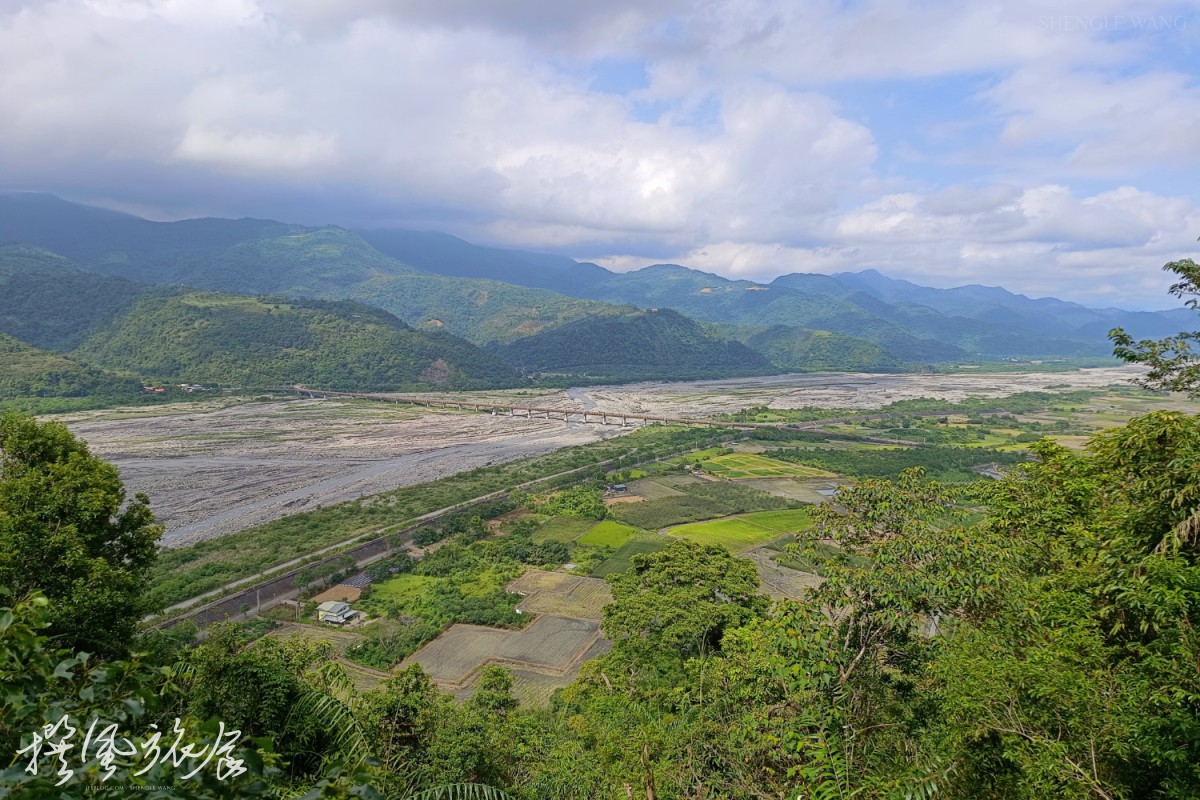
x=608 y=534
x=734 y=533
x=752 y=465
x=621 y=560
x=562 y=529
x=697 y=456
x=791 y=520
x=403 y=589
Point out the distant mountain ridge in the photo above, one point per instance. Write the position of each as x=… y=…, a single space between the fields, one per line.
x=498 y=297
x=1047 y=315
x=103 y=335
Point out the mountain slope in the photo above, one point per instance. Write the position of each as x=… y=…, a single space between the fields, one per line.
x=209 y=337
x=807 y=350
x=1047 y=315
x=27 y=372
x=655 y=343
x=443 y=254
x=262 y=256
x=825 y=306
x=440 y=282
x=49 y=303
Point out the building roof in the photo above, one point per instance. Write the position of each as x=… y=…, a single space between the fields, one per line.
x=334 y=607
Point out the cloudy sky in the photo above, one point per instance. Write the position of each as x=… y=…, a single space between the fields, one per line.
x=1049 y=148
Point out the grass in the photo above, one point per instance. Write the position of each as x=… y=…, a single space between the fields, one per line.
x=733 y=533
x=484 y=584
x=752 y=465
x=562 y=529
x=608 y=534
x=790 y=520
x=622 y=560
x=403 y=589
x=698 y=456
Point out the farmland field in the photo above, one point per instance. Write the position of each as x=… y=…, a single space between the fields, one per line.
x=620 y=561
x=608 y=534
x=652 y=489
x=787 y=521
x=751 y=465
x=561 y=529
x=338 y=639
x=458 y=652
x=562 y=594
x=806 y=491
x=551 y=643
x=734 y=533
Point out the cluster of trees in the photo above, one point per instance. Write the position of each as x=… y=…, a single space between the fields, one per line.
x=583 y=501
x=950 y=464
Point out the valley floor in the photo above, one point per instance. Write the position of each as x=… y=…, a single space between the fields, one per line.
x=213 y=469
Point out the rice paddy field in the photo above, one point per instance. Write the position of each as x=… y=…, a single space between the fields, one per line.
x=551 y=643
x=745 y=532
x=752 y=465
x=562 y=594
x=621 y=560
x=608 y=534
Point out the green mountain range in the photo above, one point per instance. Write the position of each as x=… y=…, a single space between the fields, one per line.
x=534 y=313
x=211 y=337
x=109 y=335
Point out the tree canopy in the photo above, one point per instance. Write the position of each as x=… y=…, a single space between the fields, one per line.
x=1174 y=364
x=66 y=530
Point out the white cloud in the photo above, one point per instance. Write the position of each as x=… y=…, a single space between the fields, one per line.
x=737 y=157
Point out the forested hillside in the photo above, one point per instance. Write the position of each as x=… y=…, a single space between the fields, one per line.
x=657 y=343
x=490 y=295
x=208 y=337
x=50 y=303
x=30 y=373
x=798 y=349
